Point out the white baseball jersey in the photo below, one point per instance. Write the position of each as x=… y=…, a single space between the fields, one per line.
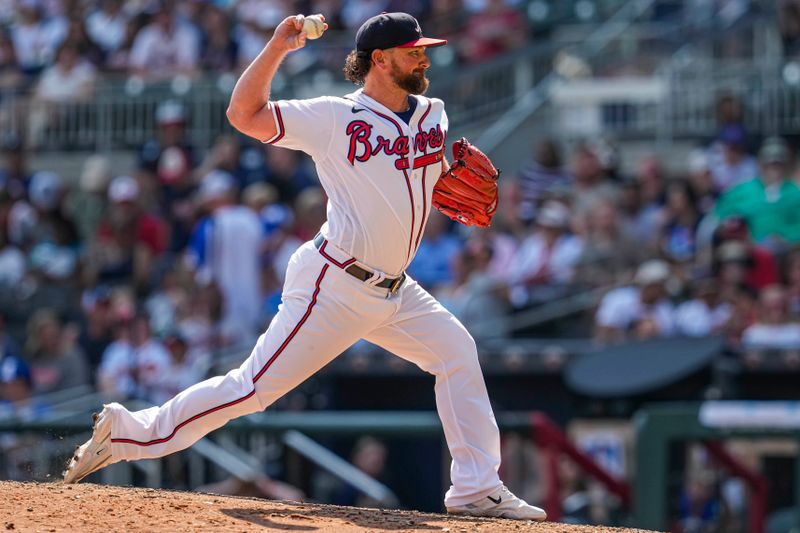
x=375 y=202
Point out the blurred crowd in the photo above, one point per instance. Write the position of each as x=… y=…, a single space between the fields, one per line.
x=58 y=47
x=132 y=283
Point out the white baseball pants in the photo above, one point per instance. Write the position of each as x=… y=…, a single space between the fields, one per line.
x=324 y=311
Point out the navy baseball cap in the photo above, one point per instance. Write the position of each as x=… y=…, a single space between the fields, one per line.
x=392 y=30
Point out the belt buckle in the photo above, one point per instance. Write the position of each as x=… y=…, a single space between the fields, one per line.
x=396 y=283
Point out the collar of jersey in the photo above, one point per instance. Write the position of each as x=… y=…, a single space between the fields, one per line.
x=359 y=97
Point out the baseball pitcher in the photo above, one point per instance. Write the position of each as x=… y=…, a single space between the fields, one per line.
x=380 y=156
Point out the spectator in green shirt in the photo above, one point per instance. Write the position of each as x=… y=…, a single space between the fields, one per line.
x=770 y=203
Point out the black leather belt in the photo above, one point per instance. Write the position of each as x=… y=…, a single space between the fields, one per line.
x=357 y=272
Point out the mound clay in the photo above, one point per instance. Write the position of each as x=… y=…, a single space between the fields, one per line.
x=89 y=508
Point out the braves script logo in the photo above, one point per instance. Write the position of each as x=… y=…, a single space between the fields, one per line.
x=362 y=148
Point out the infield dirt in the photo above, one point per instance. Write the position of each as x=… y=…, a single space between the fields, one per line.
x=89 y=508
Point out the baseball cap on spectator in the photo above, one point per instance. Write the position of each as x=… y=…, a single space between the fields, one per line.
x=652 y=272
x=392 y=30
x=773 y=150
x=216 y=184
x=123 y=189
x=733 y=135
x=45 y=190
x=95 y=174
x=257 y=195
x=733 y=251
x=553 y=215
x=170 y=112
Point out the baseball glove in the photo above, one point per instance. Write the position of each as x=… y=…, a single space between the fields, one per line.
x=467 y=192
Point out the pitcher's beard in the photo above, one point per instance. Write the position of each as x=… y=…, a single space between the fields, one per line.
x=414 y=83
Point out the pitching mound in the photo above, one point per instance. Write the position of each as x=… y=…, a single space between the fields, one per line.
x=99 y=508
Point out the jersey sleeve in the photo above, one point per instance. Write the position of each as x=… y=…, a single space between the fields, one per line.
x=305 y=125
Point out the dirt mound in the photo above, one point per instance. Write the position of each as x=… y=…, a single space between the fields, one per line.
x=92 y=508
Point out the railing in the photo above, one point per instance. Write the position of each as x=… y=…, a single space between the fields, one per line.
x=552 y=441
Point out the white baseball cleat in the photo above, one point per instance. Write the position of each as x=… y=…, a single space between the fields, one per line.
x=95 y=453
x=501 y=504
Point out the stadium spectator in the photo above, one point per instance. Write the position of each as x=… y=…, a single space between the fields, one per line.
x=219 y=52
x=475 y=297
x=701 y=510
x=14 y=176
x=543 y=176
x=768 y=202
x=169 y=157
x=165 y=48
x=650 y=180
x=286 y=171
x=736 y=258
x=641 y=311
x=187 y=365
x=310 y=212
x=738 y=264
x=55 y=359
x=432 y=264
x=133 y=365
x=706 y=313
x=107 y=26
x=226 y=154
x=11 y=77
x=87 y=203
x=590 y=182
x=54 y=243
x=96 y=328
x=728 y=159
x=118 y=60
x=774 y=327
x=35 y=37
x=370 y=456
x=128 y=240
x=609 y=254
x=78 y=37
x=13 y=263
x=701 y=181
x=225 y=248
x=71 y=79
x=167 y=161
x=678 y=231
x=545 y=261
x=496 y=29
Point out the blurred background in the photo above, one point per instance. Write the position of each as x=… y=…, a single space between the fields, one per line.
x=636 y=301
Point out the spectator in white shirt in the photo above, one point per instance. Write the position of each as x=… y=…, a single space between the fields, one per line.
x=35 y=38
x=70 y=79
x=547 y=257
x=164 y=48
x=134 y=365
x=225 y=248
x=705 y=314
x=641 y=311
x=107 y=26
x=773 y=328
x=729 y=161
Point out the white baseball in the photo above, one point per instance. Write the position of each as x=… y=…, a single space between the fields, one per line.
x=313 y=26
